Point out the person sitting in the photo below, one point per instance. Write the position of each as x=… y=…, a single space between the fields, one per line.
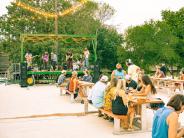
x=130 y=84
x=159 y=73
x=181 y=75
x=83 y=91
x=120 y=106
x=177 y=85
x=61 y=80
x=109 y=92
x=139 y=83
x=98 y=92
x=165 y=121
x=73 y=84
x=87 y=77
x=147 y=89
x=163 y=68
x=119 y=73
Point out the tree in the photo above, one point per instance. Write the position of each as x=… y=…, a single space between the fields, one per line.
x=175 y=21
x=83 y=21
x=150 y=44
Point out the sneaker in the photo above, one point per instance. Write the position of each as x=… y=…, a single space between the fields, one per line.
x=106 y=117
x=82 y=102
x=111 y=119
x=100 y=115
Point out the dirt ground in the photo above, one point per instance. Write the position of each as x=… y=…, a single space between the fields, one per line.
x=46 y=99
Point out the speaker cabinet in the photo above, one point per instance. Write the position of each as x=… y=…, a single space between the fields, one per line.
x=23 y=74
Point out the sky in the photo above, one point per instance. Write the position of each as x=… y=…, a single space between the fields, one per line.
x=130 y=12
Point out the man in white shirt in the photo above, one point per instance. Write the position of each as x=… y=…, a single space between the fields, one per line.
x=97 y=92
x=133 y=70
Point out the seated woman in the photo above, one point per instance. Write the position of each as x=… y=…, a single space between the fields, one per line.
x=84 y=90
x=109 y=92
x=87 y=77
x=148 y=90
x=165 y=122
x=158 y=74
x=73 y=84
x=120 y=105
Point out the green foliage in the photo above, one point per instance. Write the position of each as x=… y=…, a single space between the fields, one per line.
x=156 y=42
x=108 y=43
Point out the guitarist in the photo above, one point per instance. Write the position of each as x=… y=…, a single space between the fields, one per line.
x=45 y=59
x=29 y=59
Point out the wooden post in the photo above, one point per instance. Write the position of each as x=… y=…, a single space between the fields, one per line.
x=85 y=106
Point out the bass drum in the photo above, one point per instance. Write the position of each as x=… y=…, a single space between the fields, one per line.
x=30 y=81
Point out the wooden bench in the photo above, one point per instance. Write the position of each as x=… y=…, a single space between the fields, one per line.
x=117 y=118
x=82 y=98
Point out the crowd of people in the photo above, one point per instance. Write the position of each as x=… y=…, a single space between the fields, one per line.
x=50 y=61
x=114 y=95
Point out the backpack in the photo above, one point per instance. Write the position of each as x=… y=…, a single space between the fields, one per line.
x=118 y=106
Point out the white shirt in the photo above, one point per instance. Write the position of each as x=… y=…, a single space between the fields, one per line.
x=133 y=72
x=86 y=54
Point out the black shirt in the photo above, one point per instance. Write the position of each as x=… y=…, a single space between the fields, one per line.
x=132 y=84
x=163 y=69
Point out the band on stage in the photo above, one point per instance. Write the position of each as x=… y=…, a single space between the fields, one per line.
x=49 y=61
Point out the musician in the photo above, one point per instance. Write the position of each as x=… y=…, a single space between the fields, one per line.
x=29 y=59
x=45 y=59
x=86 y=57
x=53 y=60
x=69 y=59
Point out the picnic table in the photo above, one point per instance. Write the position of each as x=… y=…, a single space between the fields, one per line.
x=169 y=83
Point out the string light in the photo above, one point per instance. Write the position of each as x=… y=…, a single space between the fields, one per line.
x=49 y=14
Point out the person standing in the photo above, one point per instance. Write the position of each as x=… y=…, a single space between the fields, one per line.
x=53 y=60
x=133 y=70
x=86 y=58
x=45 y=59
x=69 y=59
x=29 y=59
